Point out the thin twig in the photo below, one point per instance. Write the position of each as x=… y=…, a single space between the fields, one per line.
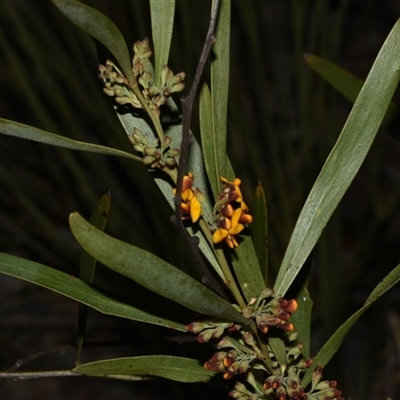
x=63 y=348
x=187 y=109
x=36 y=375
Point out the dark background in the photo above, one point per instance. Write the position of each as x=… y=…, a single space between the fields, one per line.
x=283 y=121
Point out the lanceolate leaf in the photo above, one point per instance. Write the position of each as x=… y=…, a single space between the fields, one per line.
x=211 y=149
x=16 y=129
x=162 y=22
x=101 y=28
x=301 y=319
x=345 y=159
x=332 y=345
x=245 y=262
x=151 y=272
x=175 y=368
x=78 y=290
x=220 y=85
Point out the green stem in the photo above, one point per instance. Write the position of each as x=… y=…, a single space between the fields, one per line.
x=229 y=279
x=156 y=121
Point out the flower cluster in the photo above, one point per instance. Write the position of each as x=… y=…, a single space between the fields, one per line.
x=117 y=85
x=231 y=213
x=154 y=155
x=270 y=309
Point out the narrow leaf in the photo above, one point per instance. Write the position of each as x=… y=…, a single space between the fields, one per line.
x=343 y=81
x=101 y=28
x=301 y=319
x=332 y=345
x=175 y=368
x=259 y=229
x=209 y=140
x=245 y=262
x=220 y=85
x=16 y=129
x=78 y=290
x=345 y=159
x=247 y=270
x=87 y=267
x=151 y=272
x=162 y=22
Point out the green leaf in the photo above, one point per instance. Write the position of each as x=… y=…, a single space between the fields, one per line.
x=175 y=368
x=16 y=129
x=259 y=229
x=220 y=86
x=247 y=270
x=162 y=22
x=78 y=290
x=245 y=262
x=101 y=28
x=343 y=81
x=345 y=159
x=87 y=266
x=209 y=140
x=278 y=348
x=151 y=272
x=332 y=345
x=301 y=319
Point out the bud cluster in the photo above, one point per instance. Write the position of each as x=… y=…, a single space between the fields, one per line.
x=154 y=155
x=210 y=330
x=235 y=361
x=117 y=85
x=231 y=213
x=271 y=310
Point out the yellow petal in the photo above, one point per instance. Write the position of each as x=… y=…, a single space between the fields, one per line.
x=219 y=235
x=195 y=209
x=236 y=230
x=235 y=217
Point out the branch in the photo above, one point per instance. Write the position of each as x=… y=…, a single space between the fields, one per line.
x=187 y=109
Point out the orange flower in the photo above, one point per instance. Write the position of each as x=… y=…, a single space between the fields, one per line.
x=228 y=229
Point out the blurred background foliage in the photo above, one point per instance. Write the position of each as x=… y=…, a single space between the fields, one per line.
x=283 y=121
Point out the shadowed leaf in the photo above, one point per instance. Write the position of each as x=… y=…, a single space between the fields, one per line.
x=101 y=28
x=16 y=129
x=78 y=290
x=332 y=345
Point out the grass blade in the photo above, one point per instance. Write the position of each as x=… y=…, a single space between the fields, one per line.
x=87 y=267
